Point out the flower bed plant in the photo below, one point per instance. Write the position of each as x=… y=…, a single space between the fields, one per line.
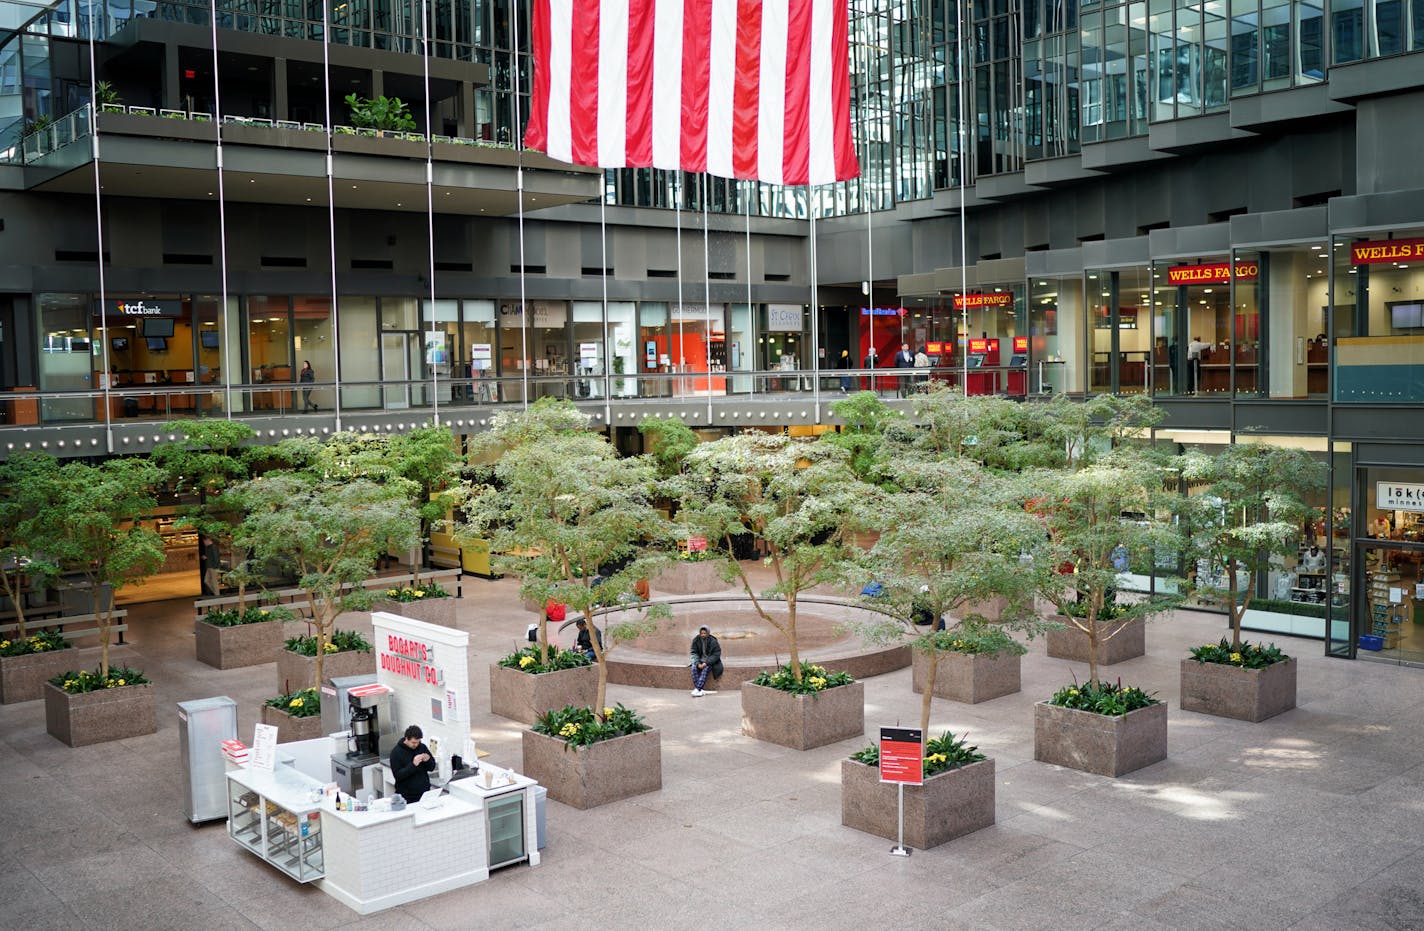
x=409 y=593
x=1250 y=656
x=45 y=641
x=342 y=641
x=1108 y=612
x=811 y=680
x=942 y=753
x=253 y=615
x=974 y=639
x=580 y=727
x=84 y=680
x=1109 y=698
x=527 y=660
x=304 y=703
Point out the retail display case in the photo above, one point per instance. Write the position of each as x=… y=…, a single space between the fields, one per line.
x=277 y=816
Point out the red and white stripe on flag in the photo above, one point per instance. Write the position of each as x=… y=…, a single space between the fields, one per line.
x=756 y=89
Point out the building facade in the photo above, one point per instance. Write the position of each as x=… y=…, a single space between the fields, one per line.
x=1215 y=204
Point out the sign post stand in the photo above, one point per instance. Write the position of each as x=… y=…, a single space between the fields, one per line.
x=901 y=762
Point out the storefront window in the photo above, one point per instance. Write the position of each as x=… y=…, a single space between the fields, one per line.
x=443 y=354
x=1197 y=324
x=312 y=342
x=1250 y=275
x=405 y=372
x=1051 y=301
x=652 y=338
x=476 y=352
x=1117 y=330
x=1338 y=637
x=66 y=354
x=157 y=349
x=1290 y=295
x=741 y=335
x=360 y=353
x=784 y=343
x=216 y=356
x=1392 y=622
x=1378 y=322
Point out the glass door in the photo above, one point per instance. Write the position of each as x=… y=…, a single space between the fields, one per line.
x=506 y=829
x=1392 y=613
x=399 y=363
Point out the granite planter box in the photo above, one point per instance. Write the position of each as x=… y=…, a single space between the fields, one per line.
x=290 y=728
x=296 y=672
x=22 y=678
x=239 y=645
x=440 y=611
x=969 y=677
x=521 y=697
x=1232 y=692
x=1072 y=643
x=1097 y=743
x=802 y=722
x=949 y=804
x=691 y=578
x=586 y=777
x=100 y=716
x=991 y=609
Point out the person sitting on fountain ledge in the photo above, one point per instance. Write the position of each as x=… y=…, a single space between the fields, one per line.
x=706 y=658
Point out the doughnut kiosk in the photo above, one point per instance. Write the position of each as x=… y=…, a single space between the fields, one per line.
x=370 y=850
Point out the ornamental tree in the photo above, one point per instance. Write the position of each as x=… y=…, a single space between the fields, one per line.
x=92 y=523
x=327 y=532
x=26 y=483
x=865 y=422
x=1249 y=515
x=955 y=539
x=1092 y=516
x=800 y=502
x=573 y=518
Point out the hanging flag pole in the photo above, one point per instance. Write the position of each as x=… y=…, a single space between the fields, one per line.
x=707 y=301
x=963 y=182
x=519 y=193
x=331 y=210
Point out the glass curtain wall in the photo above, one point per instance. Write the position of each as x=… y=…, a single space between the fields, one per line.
x=1378 y=317
x=1118 y=334
x=1054 y=343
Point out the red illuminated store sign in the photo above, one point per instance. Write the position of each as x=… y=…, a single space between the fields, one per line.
x=1020 y=344
x=962 y=301
x=1214 y=273
x=981 y=346
x=901 y=758
x=1387 y=250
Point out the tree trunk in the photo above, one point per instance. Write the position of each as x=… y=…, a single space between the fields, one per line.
x=598 y=654
x=544 y=633
x=16 y=594
x=791 y=638
x=1232 y=606
x=105 y=620
x=927 y=699
x=319 y=619
x=1095 y=607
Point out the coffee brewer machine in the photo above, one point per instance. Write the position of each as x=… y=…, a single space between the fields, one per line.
x=368 y=740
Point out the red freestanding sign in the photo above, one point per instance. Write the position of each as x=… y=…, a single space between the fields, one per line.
x=901 y=756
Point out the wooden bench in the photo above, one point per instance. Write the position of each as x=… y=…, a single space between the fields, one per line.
x=37 y=612
x=90 y=626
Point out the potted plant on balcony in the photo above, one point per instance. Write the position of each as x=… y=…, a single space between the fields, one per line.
x=586 y=759
x=327 y=529
x=90 y=523
x=296 y=715
x=229 y=638
x=1243 y=524
x=800 y=504
x=108 y=99
x=580 y=518
x=956 y=798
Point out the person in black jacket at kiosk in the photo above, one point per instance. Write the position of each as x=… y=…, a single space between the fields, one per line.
x=411 y=765
x=705 y=658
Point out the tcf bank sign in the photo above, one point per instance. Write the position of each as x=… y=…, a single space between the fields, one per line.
x=413 y=659
x=1399 y=496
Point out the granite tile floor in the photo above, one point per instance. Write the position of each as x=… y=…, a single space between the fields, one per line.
x=1314 y=819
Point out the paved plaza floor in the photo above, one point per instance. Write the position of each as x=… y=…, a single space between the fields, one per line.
x=1314 y=819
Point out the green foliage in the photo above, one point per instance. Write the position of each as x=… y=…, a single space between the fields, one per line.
x=251 y=615
x=527 y=660
x=341 y=641
x=303 y=703
x=92 y=681
x=579 y=727
x=1298 y=608
x=1102 y=698
x=669 y=441
x=808 y=680
x=26 y=562
x=1247 y=655
x=104 y=93
x=1108 y=612
x=386 y=113
x=971 y=639
x=866 y=419
x=800 y=502
x=44 y=641
x=942 y=754
x=37 y=125
x=425 y=591
x=1249 y=514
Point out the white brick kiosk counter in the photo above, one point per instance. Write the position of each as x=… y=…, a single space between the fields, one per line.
x=376 y=860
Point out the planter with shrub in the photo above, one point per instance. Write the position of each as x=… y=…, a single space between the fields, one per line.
x=822 y=708
x=348 y=654
x=586 y=760
x=1250 y=684
x=1105 y=728
x=425 y=601
x=87 y=707
x=26 y=663
x=229 y=639
x=296 y=715
x=522 y=688
x=957 y=796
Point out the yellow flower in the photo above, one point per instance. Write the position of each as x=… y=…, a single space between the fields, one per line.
x=568 y=730
x=4 y=644
x=817 y=682
x=935 y=758
x=109 y=684
x=607 y=712
x=296 y=703
x=1236 y=657
x=525 y=662
x=419 y=594
x=1072 y=691
x=123 y=682
x=264 y=611
x=331 y=648
x=391 y=592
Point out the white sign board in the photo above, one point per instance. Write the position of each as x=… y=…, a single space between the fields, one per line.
x=426 y=667
x=783 y=318
x=1399 y=496
x=480 y=356
x=264 y=747
x=588 y=354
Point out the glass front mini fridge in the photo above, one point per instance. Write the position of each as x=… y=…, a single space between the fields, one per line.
x=504 y=827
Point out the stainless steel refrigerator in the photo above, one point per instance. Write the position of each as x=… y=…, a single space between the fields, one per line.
x=203 y=724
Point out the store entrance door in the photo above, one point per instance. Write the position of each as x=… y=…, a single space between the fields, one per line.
x=400 y=362
x=1391 y=603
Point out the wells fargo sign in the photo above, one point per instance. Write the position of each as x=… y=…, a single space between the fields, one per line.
x=1213 y=273
x=961 y=301
x=1386 y=250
